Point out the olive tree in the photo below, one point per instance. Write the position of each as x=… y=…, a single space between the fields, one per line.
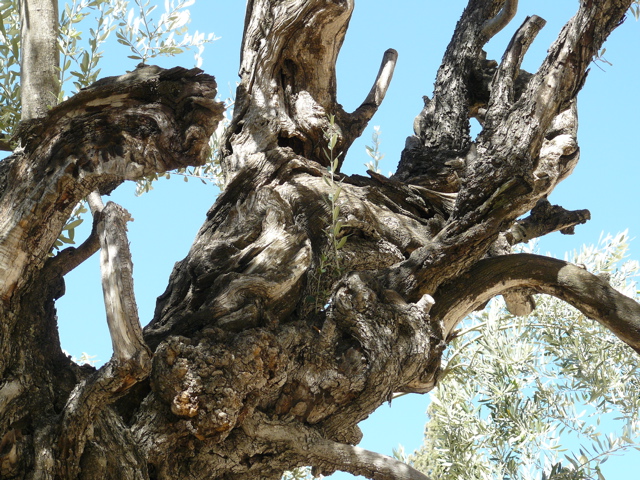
x=308 y=297
x=521 y=396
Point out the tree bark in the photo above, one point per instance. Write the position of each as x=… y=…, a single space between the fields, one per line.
x=275 y=336
x=150 y=120
x=40 y=58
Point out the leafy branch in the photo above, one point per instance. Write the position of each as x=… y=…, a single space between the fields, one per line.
x=334 y=231
x=374 y=151
x=514 y=386
x=74 y=51
x=148 y=39
x=330 y=258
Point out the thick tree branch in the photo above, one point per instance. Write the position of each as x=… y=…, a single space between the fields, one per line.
x=545 y=219
x=131 y=361
x=589 y=293
x=117 y=282
x=328 y=456
x=123 y=128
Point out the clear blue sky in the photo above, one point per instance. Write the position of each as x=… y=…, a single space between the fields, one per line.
x=167 y=219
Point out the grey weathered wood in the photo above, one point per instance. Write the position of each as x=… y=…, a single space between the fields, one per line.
x=144 y=122
x=267 y=350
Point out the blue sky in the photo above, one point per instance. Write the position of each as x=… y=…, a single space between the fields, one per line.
x=167 y=219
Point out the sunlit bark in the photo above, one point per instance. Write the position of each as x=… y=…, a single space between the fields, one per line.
x=271 y=343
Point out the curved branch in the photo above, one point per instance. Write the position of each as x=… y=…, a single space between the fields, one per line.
x=589 y=293
x=497 y=23
x=69 y=258
x=374 y=99
x=329 y=455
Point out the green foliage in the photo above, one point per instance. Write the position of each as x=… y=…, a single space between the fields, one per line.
x=168 y=36
x=336 y=236
x=330 y=265
x=526 y=395
x=67 y=235
x=374 y=151
x=79 y=60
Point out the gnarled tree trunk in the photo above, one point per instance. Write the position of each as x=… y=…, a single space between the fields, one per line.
x=275 y=337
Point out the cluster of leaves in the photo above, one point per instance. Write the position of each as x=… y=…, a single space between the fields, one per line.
x=134 y=27
x=79 y=60
x=524 y=395
x=67 y=235
x=168 y=36
x=374 y=151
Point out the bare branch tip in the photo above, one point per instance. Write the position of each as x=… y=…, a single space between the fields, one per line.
x=379 y=89
x=390 y=54
x=492 y=26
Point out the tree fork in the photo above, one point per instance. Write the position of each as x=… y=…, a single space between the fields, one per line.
x=247 y=372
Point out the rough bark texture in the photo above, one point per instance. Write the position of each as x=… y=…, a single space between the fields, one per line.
x=270 y=344
x=120 y=129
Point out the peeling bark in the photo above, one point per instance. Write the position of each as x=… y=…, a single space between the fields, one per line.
x=269 y=344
